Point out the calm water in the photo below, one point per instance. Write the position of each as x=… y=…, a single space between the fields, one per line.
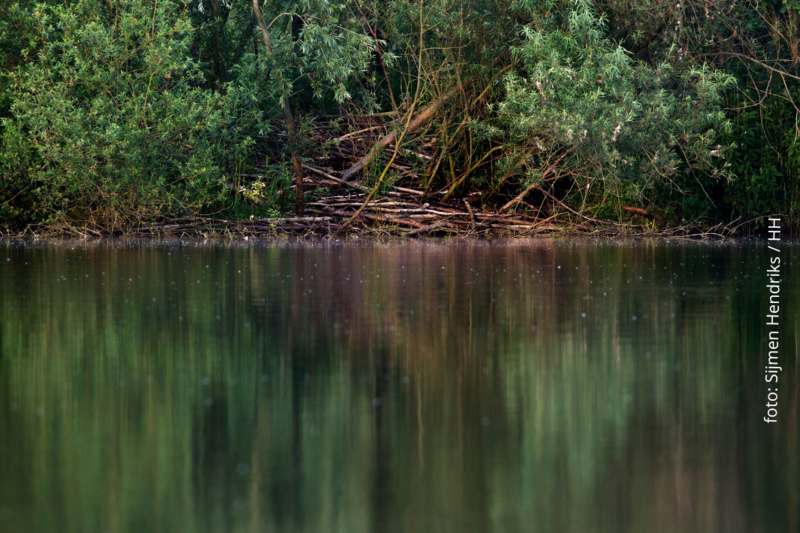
x=520 y=387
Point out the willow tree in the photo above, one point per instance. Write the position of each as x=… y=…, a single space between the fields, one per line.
x=315 y=42
x=580 y=105
x=110 y=124
x=758 y=43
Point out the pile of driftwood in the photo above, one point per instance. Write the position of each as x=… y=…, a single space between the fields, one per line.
x=348 y=204
x=408 y=207
x=405 y=211
x=397 y=212
x=404 y=207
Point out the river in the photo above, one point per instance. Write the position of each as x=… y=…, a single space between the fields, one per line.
x=431 y=386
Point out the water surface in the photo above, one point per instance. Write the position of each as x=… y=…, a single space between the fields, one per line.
x=528 y=386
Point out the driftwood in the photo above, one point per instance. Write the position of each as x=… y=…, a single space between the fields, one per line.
x=425 y=217
x=429 y=228
x=337 y=180
x=471 y=214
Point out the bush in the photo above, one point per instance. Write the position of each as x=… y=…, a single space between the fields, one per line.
x=110 y=125
x=616 y=119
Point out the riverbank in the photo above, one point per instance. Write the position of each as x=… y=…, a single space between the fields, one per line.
x=504 y=131
x=348 y=208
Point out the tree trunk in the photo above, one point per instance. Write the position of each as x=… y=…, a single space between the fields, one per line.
x=287 y=117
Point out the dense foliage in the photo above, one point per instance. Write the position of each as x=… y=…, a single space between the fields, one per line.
x=109 y=124
x=125 y=112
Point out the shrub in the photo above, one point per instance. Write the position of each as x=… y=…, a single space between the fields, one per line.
x=109 y=123
x=616 y=119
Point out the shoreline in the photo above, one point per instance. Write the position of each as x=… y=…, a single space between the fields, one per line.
x=367 y=239
x=321 y=228
x=400 y=213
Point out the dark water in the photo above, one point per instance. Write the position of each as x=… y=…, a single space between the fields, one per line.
x=519 y=387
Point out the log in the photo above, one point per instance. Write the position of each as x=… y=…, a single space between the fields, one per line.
x=335 y=179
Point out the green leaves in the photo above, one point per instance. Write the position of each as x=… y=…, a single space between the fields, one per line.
x=141 y=108
x=315 y=42
x=620 y=119
x=109 y=120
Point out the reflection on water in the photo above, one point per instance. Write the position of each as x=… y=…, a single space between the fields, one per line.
x=525 y=386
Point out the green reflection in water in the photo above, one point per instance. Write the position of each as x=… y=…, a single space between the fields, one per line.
x=525 y=386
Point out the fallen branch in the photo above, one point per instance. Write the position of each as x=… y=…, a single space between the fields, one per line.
x=409 y=191
x=388 y=139
x=568 y=208
x=353 y=134
x=522 y=195
x=355 y=186
x=471 y=214
x=429 y=228
x=370 y=216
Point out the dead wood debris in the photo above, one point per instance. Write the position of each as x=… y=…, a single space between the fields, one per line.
x=402 y=208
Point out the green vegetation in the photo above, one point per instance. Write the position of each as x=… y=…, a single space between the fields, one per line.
x=129 y=112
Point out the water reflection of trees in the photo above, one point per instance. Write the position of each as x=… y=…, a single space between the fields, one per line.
x=406 y=384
